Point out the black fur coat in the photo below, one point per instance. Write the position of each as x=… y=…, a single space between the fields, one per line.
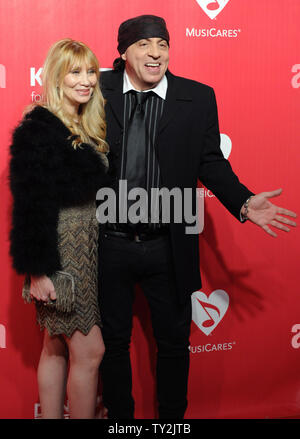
x=46 y=174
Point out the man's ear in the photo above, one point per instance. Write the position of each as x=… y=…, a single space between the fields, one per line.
x=123 y=56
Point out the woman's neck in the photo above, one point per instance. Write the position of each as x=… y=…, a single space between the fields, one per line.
x=72 y=110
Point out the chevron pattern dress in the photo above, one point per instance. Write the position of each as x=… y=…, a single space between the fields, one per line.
x=77 y=243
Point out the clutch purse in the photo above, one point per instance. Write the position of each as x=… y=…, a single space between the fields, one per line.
x=64 y=286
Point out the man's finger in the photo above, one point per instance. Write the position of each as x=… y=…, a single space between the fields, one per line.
x=284 y=220
x=279 y=226
x=272 y=194
x=283 y=211
x=269 y=231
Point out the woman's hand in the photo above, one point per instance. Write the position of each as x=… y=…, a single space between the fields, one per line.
x=41 y=288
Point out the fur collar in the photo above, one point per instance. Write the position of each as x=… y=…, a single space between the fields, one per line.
x=41 y=114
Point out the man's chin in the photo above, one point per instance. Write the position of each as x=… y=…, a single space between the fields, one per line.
x=152 y=81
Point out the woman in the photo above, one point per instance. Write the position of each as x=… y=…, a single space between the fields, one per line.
x=58 y=162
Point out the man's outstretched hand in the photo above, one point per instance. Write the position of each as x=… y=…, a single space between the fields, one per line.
x=264 y=213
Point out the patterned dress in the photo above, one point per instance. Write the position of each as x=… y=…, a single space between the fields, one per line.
x=78 y=248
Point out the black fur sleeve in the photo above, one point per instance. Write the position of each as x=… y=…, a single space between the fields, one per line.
x=33 y=236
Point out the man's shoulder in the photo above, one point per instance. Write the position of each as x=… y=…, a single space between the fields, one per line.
x=110 y=78
x=190 y=85
x=190 y=89
x=108 y=73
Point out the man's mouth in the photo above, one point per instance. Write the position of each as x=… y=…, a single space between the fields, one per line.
x=152 y=66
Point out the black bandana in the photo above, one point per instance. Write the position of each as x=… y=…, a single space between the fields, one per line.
x=138 y=28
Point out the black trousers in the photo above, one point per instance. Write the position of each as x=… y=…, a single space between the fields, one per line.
x=123 y=263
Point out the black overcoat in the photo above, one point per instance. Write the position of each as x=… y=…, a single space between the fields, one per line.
x=188 y=148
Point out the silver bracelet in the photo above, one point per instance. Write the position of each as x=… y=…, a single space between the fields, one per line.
x=246 y=205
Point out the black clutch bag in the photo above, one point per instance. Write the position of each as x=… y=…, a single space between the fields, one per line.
x=64 y=286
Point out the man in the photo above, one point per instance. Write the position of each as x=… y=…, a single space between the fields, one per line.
x=169 y=141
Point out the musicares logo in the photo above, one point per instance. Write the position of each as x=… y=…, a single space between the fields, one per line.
x=207 y=312
x=212 y=8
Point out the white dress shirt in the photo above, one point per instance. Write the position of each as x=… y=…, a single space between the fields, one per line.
x=160 y=89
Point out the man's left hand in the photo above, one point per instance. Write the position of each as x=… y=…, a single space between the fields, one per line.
x=264 y=213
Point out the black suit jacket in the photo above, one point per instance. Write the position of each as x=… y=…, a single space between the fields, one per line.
x=188 y=149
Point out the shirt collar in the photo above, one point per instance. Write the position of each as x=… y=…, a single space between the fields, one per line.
x=160 y=89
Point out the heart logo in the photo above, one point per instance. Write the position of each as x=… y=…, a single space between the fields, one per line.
x=207 y=312
x=226 y=145
x=212 y=8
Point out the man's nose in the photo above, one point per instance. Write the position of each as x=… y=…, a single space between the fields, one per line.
x=154 y=51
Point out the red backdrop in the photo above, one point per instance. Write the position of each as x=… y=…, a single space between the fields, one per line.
x=245 y=338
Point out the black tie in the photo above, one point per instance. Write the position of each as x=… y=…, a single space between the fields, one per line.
x=135 y=173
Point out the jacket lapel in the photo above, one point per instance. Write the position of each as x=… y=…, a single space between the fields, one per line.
x=112 y=90
x=176 y=97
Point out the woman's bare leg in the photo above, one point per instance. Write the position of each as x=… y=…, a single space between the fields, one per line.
x=86 y=352
x=52 y=376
